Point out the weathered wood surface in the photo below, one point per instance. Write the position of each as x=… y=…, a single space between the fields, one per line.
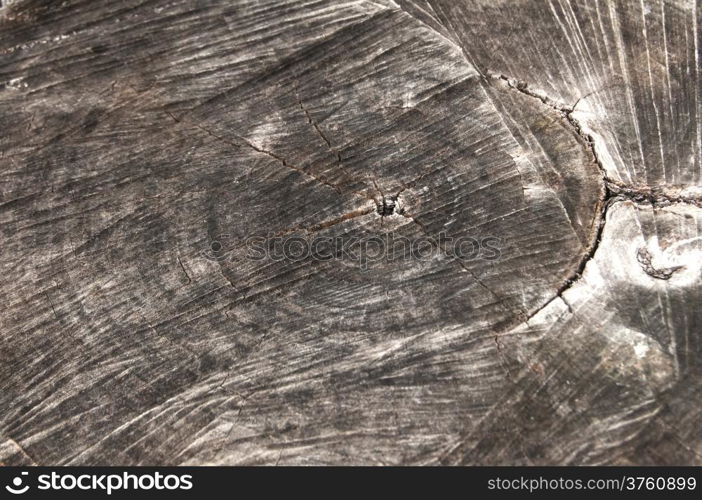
x=136 y=134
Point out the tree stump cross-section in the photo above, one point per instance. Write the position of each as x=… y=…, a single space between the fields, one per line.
x=350 y=232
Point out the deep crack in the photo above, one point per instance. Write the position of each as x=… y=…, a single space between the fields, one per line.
x=603 y=202
x=613 y=190
x=654 y=195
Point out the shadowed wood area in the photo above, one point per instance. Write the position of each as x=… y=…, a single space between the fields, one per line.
x=200 y=204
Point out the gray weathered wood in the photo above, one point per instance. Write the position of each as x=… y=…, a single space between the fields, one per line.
x=136 y=134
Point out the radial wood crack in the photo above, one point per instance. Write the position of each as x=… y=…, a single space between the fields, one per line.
x=507 y=278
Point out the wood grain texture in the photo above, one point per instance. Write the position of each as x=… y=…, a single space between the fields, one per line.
x=145 y=140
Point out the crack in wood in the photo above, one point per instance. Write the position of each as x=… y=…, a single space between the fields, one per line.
x=644 y=257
